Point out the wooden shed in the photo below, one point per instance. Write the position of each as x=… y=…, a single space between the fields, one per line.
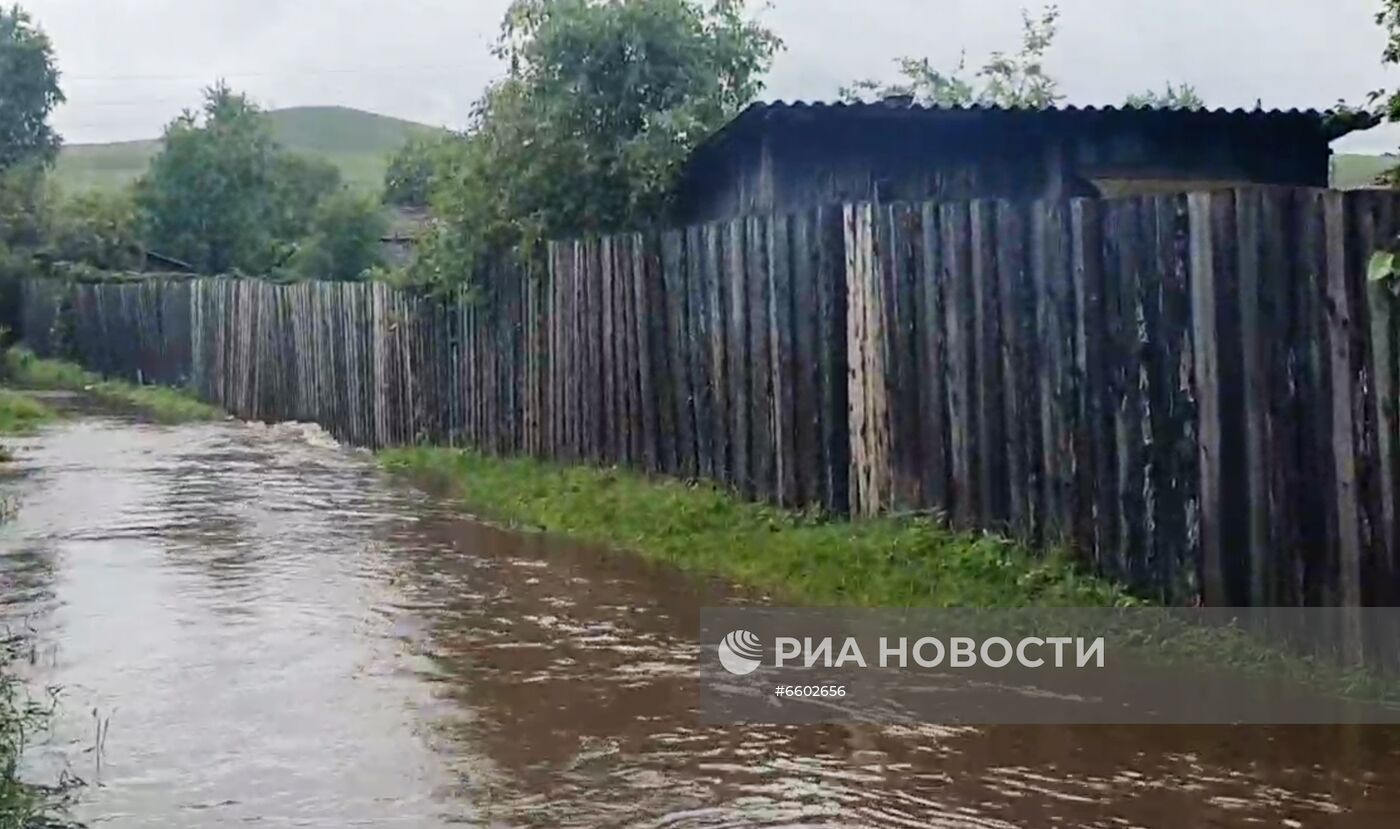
x=781 y=157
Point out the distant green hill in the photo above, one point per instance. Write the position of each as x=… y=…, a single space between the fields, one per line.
x=1352 y=171
x=357 y=142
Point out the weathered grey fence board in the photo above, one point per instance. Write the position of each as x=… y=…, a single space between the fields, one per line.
x=868 y=424
x=1015 y=294
x=931 y=378
x=960 y=339
x=676 y=340
x=780 y=331
x=1339 y=320
x=697 y=346
x=739 y=366
x=1385 y=400
x=988 y=381
x=759 y=362
x=808 y=347
x=902 y=224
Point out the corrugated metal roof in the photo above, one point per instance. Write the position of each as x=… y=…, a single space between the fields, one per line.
x=923 y=107
x=1334 y=124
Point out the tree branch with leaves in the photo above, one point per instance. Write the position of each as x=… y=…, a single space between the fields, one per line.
x=603 y=102
x=29 y=91
x=1017 y=79
x=1173 y=96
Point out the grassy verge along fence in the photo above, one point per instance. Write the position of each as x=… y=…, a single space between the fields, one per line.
x=163 y=404
x=809 y=560
x=1197 y=392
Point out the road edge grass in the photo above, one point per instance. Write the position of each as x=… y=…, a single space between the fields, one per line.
x=161 y=403
x=800 y=558
x=810 y=560
x=24 y=803
x=22 y=414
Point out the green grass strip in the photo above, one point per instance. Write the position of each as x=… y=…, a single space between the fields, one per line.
x=21 y=414
x=802 y=558
x=163 y=404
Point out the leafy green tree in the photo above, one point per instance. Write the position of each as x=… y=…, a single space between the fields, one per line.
x=1389 y=19
x=1184 y=96
x=28 y=144
x=29 y=91
x=98 y=229
x=223 y=195
x=1006 y=80
x=25 y=216
x=210 y=194
x=603 y=101
x=299 y=185
x=408 y=180
x=344 y=241
x=25 y=206
x=1380 y=104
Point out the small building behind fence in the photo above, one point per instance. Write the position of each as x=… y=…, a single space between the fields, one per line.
x=783 y=158
x=406 y=227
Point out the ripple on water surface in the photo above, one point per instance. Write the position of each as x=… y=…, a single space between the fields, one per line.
x=276 y=633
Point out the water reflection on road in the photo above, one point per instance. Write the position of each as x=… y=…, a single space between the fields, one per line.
x=276 y=633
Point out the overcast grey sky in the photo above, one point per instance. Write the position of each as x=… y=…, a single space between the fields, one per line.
x=130 y=66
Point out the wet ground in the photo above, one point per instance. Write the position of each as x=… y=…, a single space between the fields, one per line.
x=250 y=625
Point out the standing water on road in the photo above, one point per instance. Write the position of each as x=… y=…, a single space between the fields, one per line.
x=251 y=624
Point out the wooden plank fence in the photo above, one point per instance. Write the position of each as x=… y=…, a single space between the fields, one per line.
x=1197 y=392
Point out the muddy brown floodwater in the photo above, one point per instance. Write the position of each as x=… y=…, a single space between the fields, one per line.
x=270 y=631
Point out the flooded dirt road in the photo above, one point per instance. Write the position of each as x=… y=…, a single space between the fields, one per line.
x=268 y=631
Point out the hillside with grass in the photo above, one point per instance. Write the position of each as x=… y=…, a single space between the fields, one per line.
x=1351 y=171
x=357 y=142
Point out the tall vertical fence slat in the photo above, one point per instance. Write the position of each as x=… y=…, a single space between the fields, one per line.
x=1385 y=363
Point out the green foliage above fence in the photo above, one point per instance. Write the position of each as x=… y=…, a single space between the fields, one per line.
x=602 y=104
x=224 y=196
